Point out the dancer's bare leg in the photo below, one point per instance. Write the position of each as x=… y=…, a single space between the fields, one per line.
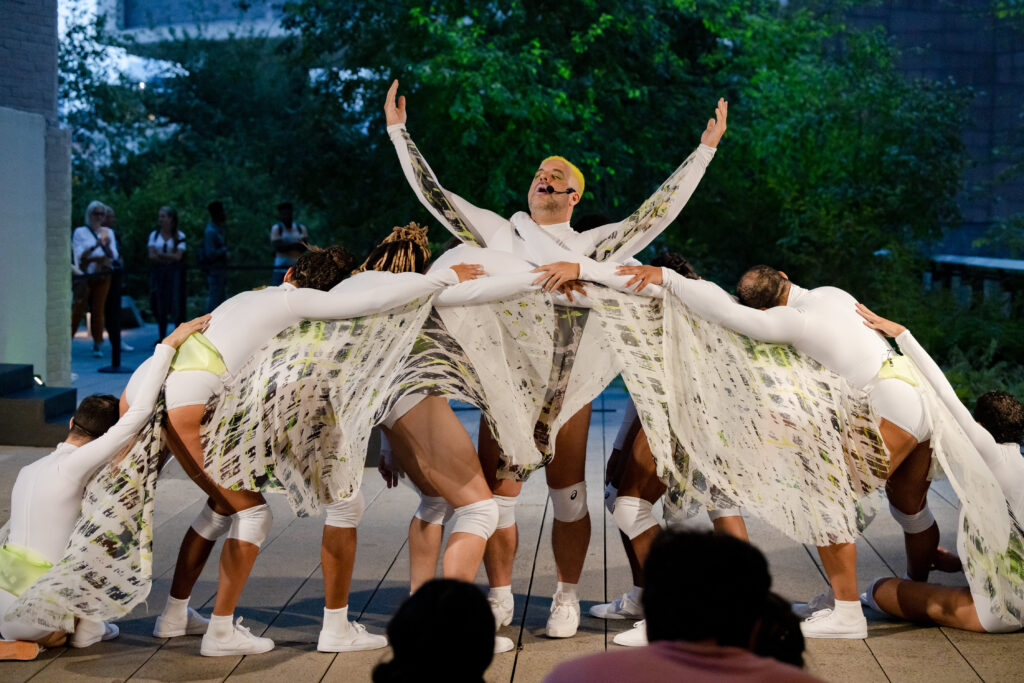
x=500 y=554
x=337 y=559
x=840 y=560
x=443 y=458
x=570 y=540
x=907 y=490
x=237 y=556
x=424 y=550
x=928 y=603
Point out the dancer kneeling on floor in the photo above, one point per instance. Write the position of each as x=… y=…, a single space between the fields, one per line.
x=46 y=500
x=996 y=430
x=721 y=585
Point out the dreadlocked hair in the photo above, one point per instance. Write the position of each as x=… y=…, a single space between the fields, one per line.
x=673 y=260
x=405 y=250
x=1002 y=415
x=761 y=287
x=321 y=268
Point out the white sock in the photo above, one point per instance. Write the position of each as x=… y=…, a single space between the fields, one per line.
x=176 y=609
x=221 y=626
x=566 y=589
x=500 y=592
x=849 y=608
x=336 y=620
x=634 y=593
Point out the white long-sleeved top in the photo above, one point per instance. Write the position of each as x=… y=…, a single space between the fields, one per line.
x=84 y=242
x=244 y=323
x=47 y=496
x=822 y=323
x=616 y=241
x=1003 y=459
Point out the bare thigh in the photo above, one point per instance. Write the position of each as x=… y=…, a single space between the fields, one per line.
x=569 y=466
x=490 y=460
x=439 y=453
x=639 y=477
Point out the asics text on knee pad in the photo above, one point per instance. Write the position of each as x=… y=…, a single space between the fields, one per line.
x=345 y=514
x=252 y=525
x=211 y=525
x=480 y=518
x=569 y=504
x=633 y=515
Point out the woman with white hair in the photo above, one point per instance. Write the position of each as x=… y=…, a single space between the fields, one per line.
x=94 y=253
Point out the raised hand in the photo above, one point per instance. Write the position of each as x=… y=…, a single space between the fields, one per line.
x=186 y=330
x=394 y=110
x=877 y=322
x=642 y=276
x=468 y=271
x=554 y=275
x=716 y=126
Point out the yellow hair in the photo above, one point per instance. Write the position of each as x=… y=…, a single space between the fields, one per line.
x=576 y=173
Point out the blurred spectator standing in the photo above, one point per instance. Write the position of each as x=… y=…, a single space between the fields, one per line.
x=94 y=250
x=288 y=239
x=110 y=221
x=166 y=254
x=215 y=254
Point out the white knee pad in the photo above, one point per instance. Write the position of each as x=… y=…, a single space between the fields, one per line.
x=633 y=515
x=718 y=513
x=569 y=504
x=345 y=513
x=610 y=494
x=434 y=510
x=506 y=510
x=211 y=525
x=915 y=523
x=480 y=518
x=252 y=525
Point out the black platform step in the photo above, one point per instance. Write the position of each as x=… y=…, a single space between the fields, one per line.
x=38 y=404
x=15 y=377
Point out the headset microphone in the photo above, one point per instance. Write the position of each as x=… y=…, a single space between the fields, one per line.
x=551 y=190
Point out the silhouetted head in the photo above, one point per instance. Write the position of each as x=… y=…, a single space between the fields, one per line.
x=286 y=214
x=94 y=416
x=217 y=213
x=762 y=287
x=320 y=268
x=1002 y=415
x=443 y=632
x=778 y=634
x=405 y=250
x=718 y=582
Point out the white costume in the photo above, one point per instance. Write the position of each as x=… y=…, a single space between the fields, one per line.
x=1003 y=459
x=823 y=324
x=47 y=497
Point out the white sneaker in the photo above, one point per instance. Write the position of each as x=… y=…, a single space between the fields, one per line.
x=634 y=637
x=622 y=608
x=503 y=644
x=240 y=641
x=828 y=623
x=194 y=624
x=89 y=632
x=357 y=638
x=502 y=608
x=127 y=347
x=564 y=620
x=826 y=600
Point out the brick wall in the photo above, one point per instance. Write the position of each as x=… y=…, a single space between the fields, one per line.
x=28 y=56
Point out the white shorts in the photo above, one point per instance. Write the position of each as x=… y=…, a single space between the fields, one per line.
x=900 y=403
x=401 y=407
x=990 y=622
x=15 y=630
x=182 y=388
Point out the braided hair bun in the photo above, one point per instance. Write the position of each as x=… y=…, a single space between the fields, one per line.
x=405 y=250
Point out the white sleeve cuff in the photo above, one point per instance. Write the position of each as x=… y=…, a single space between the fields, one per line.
x=395 y=126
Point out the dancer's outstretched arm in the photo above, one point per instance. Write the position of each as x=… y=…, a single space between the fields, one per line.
x=619 y=241
x=467 y=222
x=780 y=325
x=979 y=436
x=372 y=292
x=84 y=461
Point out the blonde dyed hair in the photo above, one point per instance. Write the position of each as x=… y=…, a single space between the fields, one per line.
x=576 y=173
x=405 y=250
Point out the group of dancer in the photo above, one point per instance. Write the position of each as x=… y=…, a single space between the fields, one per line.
x=783 y=402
